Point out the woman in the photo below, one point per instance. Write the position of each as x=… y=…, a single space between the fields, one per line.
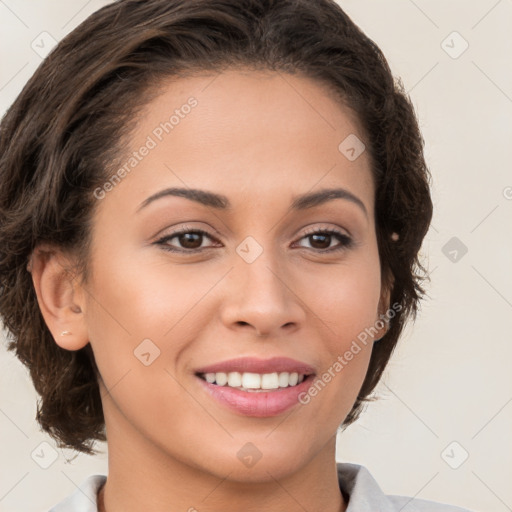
x=211 y=213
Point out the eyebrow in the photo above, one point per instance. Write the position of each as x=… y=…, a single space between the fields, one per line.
x=221 y=202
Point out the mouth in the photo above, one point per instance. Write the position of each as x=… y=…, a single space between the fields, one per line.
x=259 y=388
x=254 y=382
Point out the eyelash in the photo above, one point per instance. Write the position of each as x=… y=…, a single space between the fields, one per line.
x=345 y=241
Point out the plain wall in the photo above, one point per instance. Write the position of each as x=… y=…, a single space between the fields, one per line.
x=450 y=379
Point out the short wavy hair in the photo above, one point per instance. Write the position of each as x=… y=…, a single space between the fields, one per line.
x=60 y=137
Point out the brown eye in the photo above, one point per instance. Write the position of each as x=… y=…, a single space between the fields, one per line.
x=188 y=240
x=321 y=240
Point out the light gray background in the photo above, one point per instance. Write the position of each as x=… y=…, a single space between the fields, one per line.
x=450 y=380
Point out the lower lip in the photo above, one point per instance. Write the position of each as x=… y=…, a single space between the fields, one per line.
x=258 y=404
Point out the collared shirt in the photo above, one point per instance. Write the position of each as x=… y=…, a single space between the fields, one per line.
x=355 y=481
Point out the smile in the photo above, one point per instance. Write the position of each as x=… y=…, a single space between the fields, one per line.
x=254 y=382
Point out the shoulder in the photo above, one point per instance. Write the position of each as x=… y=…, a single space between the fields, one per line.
x=407 y=504
x=365 y=495
x=84 y=498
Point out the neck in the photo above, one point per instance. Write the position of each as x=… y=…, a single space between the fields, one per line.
x=101 y=499
x=142 y=477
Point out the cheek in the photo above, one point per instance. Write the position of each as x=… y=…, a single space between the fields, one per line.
x=345 y=303
x=139 y=299
x=141 y=317
x=345 y=297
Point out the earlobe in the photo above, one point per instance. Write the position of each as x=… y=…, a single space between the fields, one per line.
x=59 y=298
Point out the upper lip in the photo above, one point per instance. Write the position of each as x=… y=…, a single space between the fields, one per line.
x=255 y=365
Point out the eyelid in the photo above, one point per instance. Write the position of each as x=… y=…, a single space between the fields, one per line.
x=186 y=228
x=314 y=230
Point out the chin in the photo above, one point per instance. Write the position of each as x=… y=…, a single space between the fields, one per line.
x=251 y=465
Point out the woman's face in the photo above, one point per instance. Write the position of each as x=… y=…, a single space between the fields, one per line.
x=257 y=284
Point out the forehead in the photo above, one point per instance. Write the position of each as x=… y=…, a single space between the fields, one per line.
x=249 y=134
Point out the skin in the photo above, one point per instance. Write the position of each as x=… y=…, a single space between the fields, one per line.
x=259 y=138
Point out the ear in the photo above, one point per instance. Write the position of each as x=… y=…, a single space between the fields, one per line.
x=382 y=319
x=60 y=298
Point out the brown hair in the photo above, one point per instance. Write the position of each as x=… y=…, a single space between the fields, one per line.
x=59 y=139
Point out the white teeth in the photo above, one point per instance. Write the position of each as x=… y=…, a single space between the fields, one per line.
x=254 y=381
x=251 y=380
x=270 y=381
x=221 y=378
x=234 y=379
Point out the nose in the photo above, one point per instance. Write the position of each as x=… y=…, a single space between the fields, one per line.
x=260 y=298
